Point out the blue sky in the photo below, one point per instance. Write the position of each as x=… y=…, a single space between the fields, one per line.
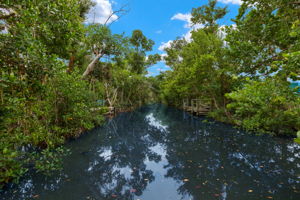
x=160 y=20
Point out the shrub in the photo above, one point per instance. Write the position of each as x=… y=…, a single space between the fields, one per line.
x=35 y=127
x=269 y=106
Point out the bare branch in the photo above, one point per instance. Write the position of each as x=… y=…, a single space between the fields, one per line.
x=122 y=11
x=111 y=94
x=296 y=2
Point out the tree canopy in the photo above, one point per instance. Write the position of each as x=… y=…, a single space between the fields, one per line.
x=245 y=75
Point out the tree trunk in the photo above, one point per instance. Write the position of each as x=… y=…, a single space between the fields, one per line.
x=71 y=63
x=111 y=94
x=92 y=65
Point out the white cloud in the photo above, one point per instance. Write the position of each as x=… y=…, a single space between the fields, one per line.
x=149 y=74
x=101 y=12
x=165 y=45
x=163 y=55
x=158 y=32
x=186 y=18
x=188 y=36
x=237 y=2
x=183 y=17
x=222 y=30
x=163 y=69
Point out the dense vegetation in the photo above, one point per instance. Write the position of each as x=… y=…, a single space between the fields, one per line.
x=59 y=76
x=243 y=71
x=56 y=73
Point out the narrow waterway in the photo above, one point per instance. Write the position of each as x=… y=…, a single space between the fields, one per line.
x=161 y=153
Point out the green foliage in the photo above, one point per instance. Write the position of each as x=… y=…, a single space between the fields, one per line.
x=40 y=104
x=268 y=106
x=208 y=15
x=136 y=57
x=264 y=32
x=49 y=160
x=122 y=71
x=99 y=39
x=139 y=41
x=71 y=101
x=55 y=24
x=44 y=122
x=298 y=137
x=244 y=76
x=43 y=98
x=201 y=71
x=133 y=88
x=10 y=168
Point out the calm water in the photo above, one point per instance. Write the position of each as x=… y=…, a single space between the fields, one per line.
x=161 y=153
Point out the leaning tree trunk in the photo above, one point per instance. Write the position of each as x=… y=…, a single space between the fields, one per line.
x=92 y=65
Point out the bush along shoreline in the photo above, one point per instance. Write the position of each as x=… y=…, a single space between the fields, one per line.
x=37 y=128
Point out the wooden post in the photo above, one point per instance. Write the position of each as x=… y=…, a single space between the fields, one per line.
x=185 y=104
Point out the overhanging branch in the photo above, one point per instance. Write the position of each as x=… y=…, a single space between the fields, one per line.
x=122 y=11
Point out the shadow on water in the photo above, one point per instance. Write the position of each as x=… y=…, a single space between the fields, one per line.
x=161 y=153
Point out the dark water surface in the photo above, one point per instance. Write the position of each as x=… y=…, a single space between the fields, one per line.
x=161 y=153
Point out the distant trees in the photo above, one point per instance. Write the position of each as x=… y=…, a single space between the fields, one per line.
x=248 y=68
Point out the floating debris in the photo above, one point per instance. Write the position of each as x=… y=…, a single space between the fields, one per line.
x=132 y=190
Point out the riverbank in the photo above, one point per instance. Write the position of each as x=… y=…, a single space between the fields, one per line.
x=49 y=155
x=282 y=121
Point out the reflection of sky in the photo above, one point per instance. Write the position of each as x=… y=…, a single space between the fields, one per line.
x=155 y=122
x=294 y=148
x=155 y=155
x=106 y=154
x=165 y=188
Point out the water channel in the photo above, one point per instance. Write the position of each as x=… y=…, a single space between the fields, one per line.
x=162 y=153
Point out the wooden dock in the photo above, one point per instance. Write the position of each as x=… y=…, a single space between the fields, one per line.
x=195 y=106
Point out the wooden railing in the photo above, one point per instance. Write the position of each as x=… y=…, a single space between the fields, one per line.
x=196 y=106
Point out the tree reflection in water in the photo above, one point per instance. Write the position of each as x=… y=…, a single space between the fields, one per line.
x=159 y=152
x=120 y=170
x=213 y=161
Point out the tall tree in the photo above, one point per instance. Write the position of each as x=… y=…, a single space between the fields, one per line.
x=101 y=42
x=137 y=56
x=208 y=15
